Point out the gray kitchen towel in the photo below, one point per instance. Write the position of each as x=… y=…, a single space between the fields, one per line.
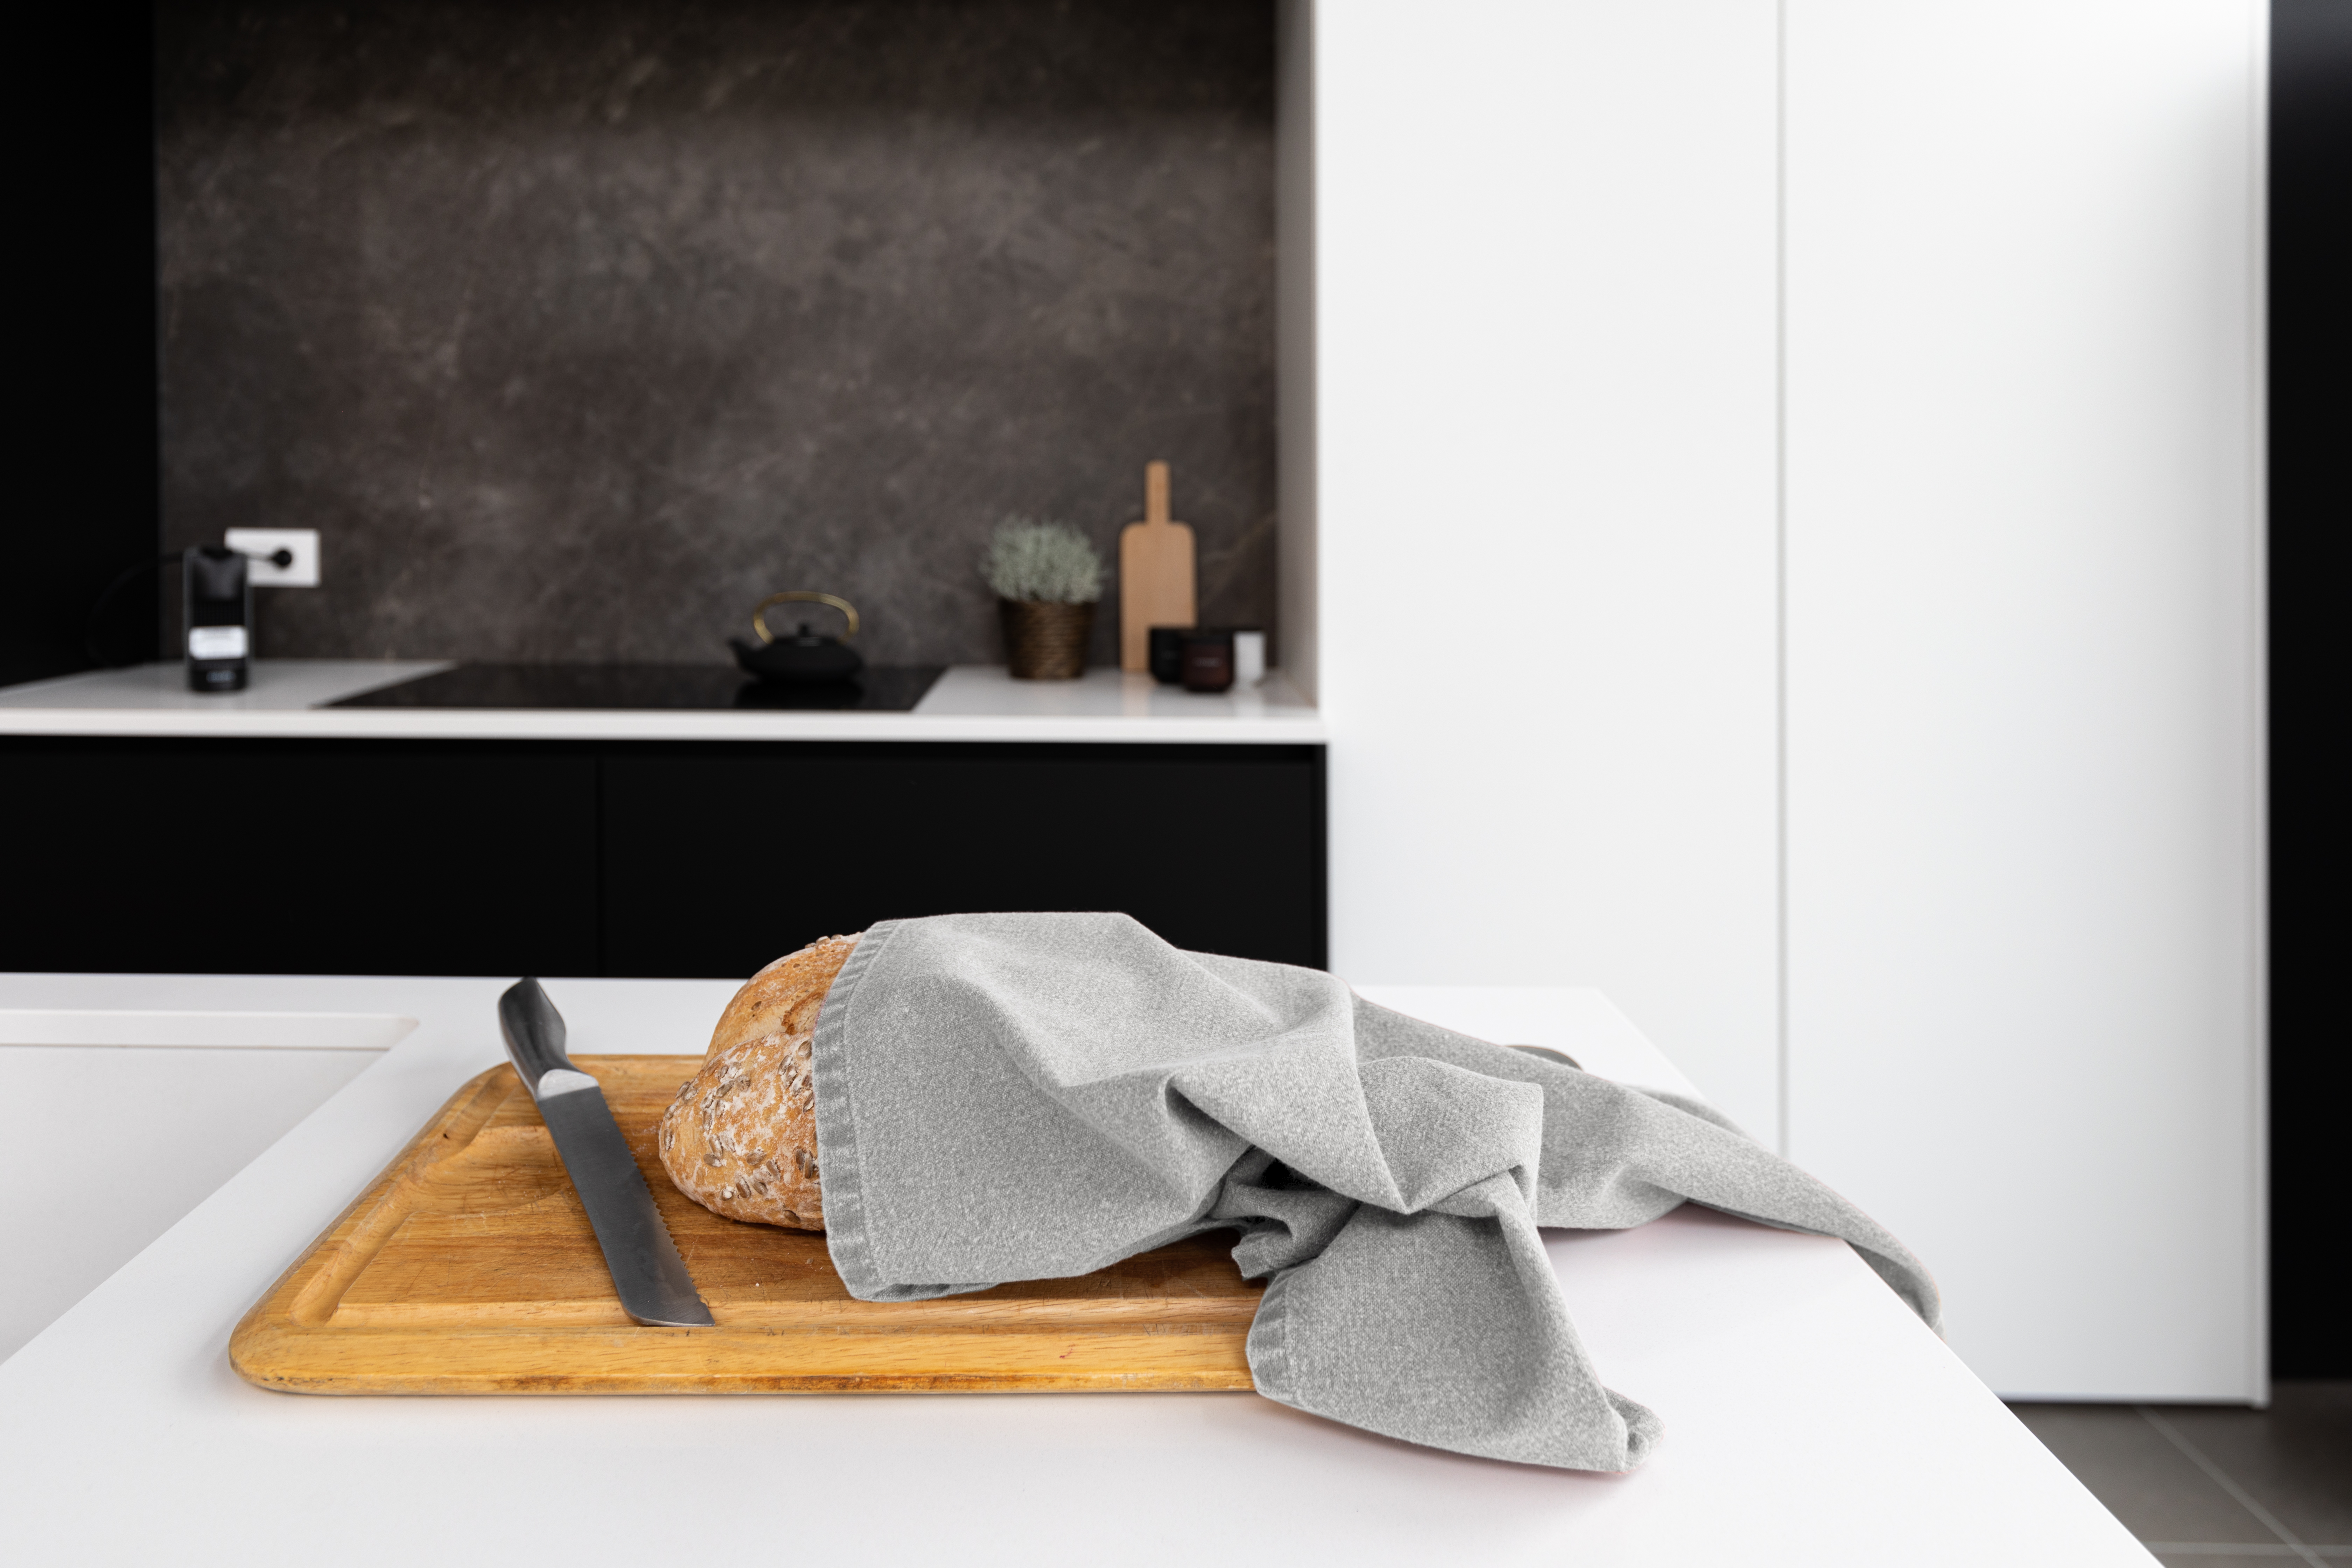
x=1009 y=1097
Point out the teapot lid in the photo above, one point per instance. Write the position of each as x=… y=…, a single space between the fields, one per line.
x=802 y=596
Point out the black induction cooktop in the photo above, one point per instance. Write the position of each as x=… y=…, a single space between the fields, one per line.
x=889 y=688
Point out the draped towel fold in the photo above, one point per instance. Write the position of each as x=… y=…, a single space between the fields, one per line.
x=1036 y=1096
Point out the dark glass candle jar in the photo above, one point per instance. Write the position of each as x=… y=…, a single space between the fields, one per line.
x=1166 y=653
x=1208 y=660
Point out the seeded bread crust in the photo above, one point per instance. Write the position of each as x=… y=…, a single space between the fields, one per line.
x=740 y=1137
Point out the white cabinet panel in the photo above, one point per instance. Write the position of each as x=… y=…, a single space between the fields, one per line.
x=1544 y=406
x=2023 y=532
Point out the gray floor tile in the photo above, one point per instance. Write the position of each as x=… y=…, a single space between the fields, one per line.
x=2295 y=1458
x=2157 y=1490
x=2231 y=1559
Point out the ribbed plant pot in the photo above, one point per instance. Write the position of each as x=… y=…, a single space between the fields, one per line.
x=1044 y=641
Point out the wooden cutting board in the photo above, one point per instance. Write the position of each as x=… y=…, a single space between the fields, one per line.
x=1155 y=573
x=468 y=1267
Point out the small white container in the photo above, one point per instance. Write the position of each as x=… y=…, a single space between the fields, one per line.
x=1249 y=658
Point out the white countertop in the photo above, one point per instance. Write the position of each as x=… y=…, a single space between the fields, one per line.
x=969 y=702
x=276 y=686
x=1810 y=1417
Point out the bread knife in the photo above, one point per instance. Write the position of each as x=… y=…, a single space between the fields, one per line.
x=655 y=1288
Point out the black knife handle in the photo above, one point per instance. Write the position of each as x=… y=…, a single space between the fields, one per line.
x=534 y=1032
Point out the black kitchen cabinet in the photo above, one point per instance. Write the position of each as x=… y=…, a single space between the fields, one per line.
x=729 y=855
x=299 y=858
x=701 y=859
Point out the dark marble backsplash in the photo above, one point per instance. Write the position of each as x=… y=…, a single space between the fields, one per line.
x=577 y=328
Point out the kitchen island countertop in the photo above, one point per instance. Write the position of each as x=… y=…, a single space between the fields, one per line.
x=288 y=699
x=1810 y=1419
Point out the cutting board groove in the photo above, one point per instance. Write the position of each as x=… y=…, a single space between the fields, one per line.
x=468 y=1267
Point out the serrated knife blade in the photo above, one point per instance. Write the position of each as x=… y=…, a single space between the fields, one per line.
x=655 y=1288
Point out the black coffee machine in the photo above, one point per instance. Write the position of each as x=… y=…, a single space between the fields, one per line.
x=217 y=595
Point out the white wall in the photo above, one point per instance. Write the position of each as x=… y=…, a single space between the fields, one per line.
x=2023 y=530
x=1544 y=374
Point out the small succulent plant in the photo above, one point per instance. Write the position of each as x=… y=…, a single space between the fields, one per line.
x=1049 y=563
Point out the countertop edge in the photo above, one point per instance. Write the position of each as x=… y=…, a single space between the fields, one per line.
x=544 y=724
x=968 y=703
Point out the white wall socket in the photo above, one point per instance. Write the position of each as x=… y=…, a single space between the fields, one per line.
x=303 y=572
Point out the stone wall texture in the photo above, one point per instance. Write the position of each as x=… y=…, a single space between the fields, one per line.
x=577 y=328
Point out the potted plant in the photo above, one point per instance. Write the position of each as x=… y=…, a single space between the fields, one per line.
x=1046 y=578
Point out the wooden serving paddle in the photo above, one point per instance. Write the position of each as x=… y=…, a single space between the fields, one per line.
x=1155 y=573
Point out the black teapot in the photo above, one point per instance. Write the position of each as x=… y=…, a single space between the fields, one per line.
x=800 y=658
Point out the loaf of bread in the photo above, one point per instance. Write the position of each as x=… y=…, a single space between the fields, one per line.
x=740 y=1137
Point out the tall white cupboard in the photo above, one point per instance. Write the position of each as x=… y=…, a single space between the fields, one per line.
x=1771 y=515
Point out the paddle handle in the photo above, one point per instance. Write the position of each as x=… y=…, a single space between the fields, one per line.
x=1155 y=494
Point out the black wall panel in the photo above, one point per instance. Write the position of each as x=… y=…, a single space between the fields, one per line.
x=2310 y=854
x=83 y=497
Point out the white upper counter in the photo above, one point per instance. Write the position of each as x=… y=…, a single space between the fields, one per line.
x=969 y=702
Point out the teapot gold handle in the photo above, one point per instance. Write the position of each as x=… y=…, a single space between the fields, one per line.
x=801 y=596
